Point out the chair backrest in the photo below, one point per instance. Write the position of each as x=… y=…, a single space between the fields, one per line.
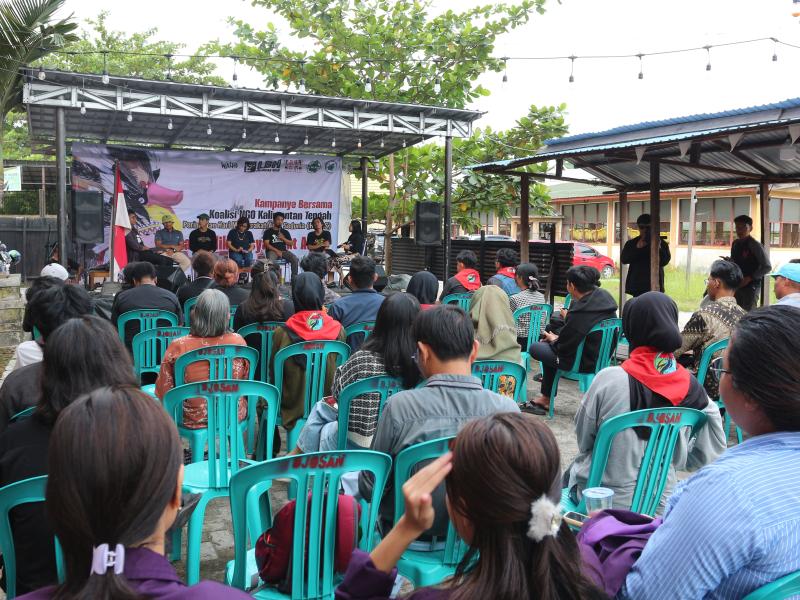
x=23 y=414
x=365 y=327
x=222 y=396
x=539 y=314
x=187 y=309
x=220 y=361
x=316 y=354
x=404 y=464
x=384 y=386
x=259 y=336
x=707 y=357
x=567 y=301
x=317 y=477
x=494 y=376
x=36 y=334
x=233 y=312
x=665 y=425
x=147 y=319
x=781 y=589
x=462 y=300
x=149 y=347
x=610 y=330
x=21 y=492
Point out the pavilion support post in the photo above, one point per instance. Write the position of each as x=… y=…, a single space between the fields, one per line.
x=61 y=166
x=43 y=196
x=623 y=238
x=448 y=188
x=765 y=237
x=364 y=194
x=655 y=224
x=524 y=219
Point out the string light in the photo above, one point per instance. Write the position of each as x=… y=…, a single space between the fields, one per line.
x=169 y=66
x=572 y=69
x=382 y=144
x=105 y=69
x=277 y=137
x=505 y=69
x=333 y=143
x=41 y=74
x=404 y=142
x=244 y=133
x=368 y=85
x=209 y=131
x=83 y=108
x=305 y=141
x=359 y=143
x=774 y=50
x=302 y=86
x=235 y=76
x=169 y=124
x=641 y=67
x=437 y=86
x=129 y=117
x=708 y=54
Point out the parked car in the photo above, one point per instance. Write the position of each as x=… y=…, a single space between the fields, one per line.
x=490 y=237
x=584 y=254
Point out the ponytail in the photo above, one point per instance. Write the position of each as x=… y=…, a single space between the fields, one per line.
x=528 y=273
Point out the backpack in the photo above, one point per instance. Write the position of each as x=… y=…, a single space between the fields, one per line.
x=274 y=546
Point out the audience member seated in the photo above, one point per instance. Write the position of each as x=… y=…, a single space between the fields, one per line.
x=733 y=526
x=264 y=303
x=451 y=397
x=30 y=351
x=528 y=281
x=209 y=327
x=226 y=279
x=308 y=323
x=81 y=355
x=650 y=378
x=494 y=325
x=467 y=279
x=505 y=263
x=714 y=321
x=388 y=351
x=590 y=305
x=363 y=304
x=117 y=494
x=424 y=286
x=787 y=284
x=49 y=309
x=144 y=295
x=315 y=262
x=203 y=267
x=503 y=503
x=37 y=285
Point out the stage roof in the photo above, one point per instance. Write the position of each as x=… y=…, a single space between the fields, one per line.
x=170 y=114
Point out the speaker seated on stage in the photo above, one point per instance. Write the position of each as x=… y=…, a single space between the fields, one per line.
x=169 y=242
x=363 y=304
x=352 y=247
x=277 y=242
x=203 y=238
x=137 y=251
x=241 y=243
x=467 y=279
x=203 y=266
x=144 y=295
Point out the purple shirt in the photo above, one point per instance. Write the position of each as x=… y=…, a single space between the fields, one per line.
x=363 y=581
x=152 y=575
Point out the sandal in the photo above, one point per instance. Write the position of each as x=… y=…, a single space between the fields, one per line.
x=533 y=408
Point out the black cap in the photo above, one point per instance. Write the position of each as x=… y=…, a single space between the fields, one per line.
x=203 y=216
x=643 y=220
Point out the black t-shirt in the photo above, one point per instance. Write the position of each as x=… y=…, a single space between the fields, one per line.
x=20 y=390
x=356 y=243
x=271 y=237
x=236 y=294
x=241 y=240
x=313 y=238
x=193 y=289
x=203 y=240
x=143 y=297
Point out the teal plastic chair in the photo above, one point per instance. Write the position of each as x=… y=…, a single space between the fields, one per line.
x=538 y=314
x=187 y=309
x=220 y=366
x=665 y=426
x=462 y=300
x=233 y=312
x=610 y=330
x=425 y=567
x=781 y=589
x=21 y=492
x=567 y=301
x=315 y=475
x=147 y=319
x=365 y=327
x=259 y=336
x=226 y=456
x=316 y=354
x=490 y=373
x=383 y=385
x=149 y=348
x=23 y=414
x=702 y=372
x=36 y=334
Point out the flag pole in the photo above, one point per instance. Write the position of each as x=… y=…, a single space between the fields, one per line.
x=112 y=275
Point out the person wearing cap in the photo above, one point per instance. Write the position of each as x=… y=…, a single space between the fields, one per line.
x=752 y=260
x=203 y=238
x=636 y=254
x=137 y=251
x=787 y=284
x=169 y=242
x=54 y=270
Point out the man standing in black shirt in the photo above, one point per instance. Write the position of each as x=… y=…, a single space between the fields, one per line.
x=636 y=253
x=752 y=260
x=203 y=238
x=276 y=240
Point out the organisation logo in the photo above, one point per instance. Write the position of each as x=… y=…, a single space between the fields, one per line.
x=262 y=166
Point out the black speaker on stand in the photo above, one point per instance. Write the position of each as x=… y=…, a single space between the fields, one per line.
x=87 y=217
x=428 y=223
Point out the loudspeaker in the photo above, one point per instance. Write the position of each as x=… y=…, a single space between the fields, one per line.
x=87 y=217
x=382 y=281
x=428 y=221
x=170 y=277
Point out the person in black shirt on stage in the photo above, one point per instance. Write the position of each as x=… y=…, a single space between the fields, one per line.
x=354 y=246
x=241 y=243
x=276 y=243
x=137 y=251
x=202 y=238
x=319 y=240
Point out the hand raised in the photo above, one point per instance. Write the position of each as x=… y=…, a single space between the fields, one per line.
x=417 y=493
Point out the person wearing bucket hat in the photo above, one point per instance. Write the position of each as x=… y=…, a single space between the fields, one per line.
x=203 y=238
x=169 y=242
x=787 y=284
x=636 y=254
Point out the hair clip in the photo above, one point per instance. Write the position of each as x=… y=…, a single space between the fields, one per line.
x=545 y=519
x=103 y=558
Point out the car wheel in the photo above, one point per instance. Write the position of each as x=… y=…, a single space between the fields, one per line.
x=607 y=272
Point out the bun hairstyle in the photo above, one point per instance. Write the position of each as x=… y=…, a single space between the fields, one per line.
x=226 y=272
x=528 y=273
x=584 y=278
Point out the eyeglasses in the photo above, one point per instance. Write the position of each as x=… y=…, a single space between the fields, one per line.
x=716 y=368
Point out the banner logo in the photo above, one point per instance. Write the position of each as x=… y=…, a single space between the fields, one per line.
x=330 y=166
x=313 y=166
x=262 y=166
x=229 y=164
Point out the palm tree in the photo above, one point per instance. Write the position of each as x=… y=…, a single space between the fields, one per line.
x=28 y=32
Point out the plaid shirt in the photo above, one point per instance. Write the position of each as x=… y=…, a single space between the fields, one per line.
x=521 y=300
x=363 y=418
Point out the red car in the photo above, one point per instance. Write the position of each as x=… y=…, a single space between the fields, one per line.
x=584 y=254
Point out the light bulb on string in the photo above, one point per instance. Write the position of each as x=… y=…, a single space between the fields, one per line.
x=41 y=74
x=572 y=69
x=305 y=140
x=708 y=54
x=302 y=86
x=209 y=131
x=774 y=50
x=169 y=124
x=505 y=69
x=129 y=117
x=105 y=78
x=277 y=138
x=333 y=142
x=235 y=76
x=359 y=143
x=641 y=67
x=83 y=108
x=244 y=133
x=437 y=86
x=382 y=142
x=368 y=85
x=404 y=142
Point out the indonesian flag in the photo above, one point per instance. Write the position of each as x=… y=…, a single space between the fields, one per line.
x=122 y=225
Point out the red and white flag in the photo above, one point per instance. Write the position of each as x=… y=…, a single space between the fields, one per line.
x=122 y=225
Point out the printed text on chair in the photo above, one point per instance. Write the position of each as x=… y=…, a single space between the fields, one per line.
x=495 y=376
x=149 y=348
x=147 y=319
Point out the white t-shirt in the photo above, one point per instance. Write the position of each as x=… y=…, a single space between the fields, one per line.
x=27 y=353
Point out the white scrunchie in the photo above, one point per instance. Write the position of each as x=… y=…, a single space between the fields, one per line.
x=545 y=519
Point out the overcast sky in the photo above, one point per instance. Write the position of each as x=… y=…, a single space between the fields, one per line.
x=606 y=93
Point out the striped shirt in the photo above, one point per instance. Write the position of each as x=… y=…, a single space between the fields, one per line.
x=731 y=528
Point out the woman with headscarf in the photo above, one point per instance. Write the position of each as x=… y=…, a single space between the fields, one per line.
x=650 y=378
x=424 y=287
x=309 y=323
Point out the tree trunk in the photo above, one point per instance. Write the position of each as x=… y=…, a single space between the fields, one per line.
x=387 y=238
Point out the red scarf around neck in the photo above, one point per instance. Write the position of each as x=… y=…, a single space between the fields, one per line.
x=314 y=325
x=508 y=272
x=658 y=372
x=469 y=278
